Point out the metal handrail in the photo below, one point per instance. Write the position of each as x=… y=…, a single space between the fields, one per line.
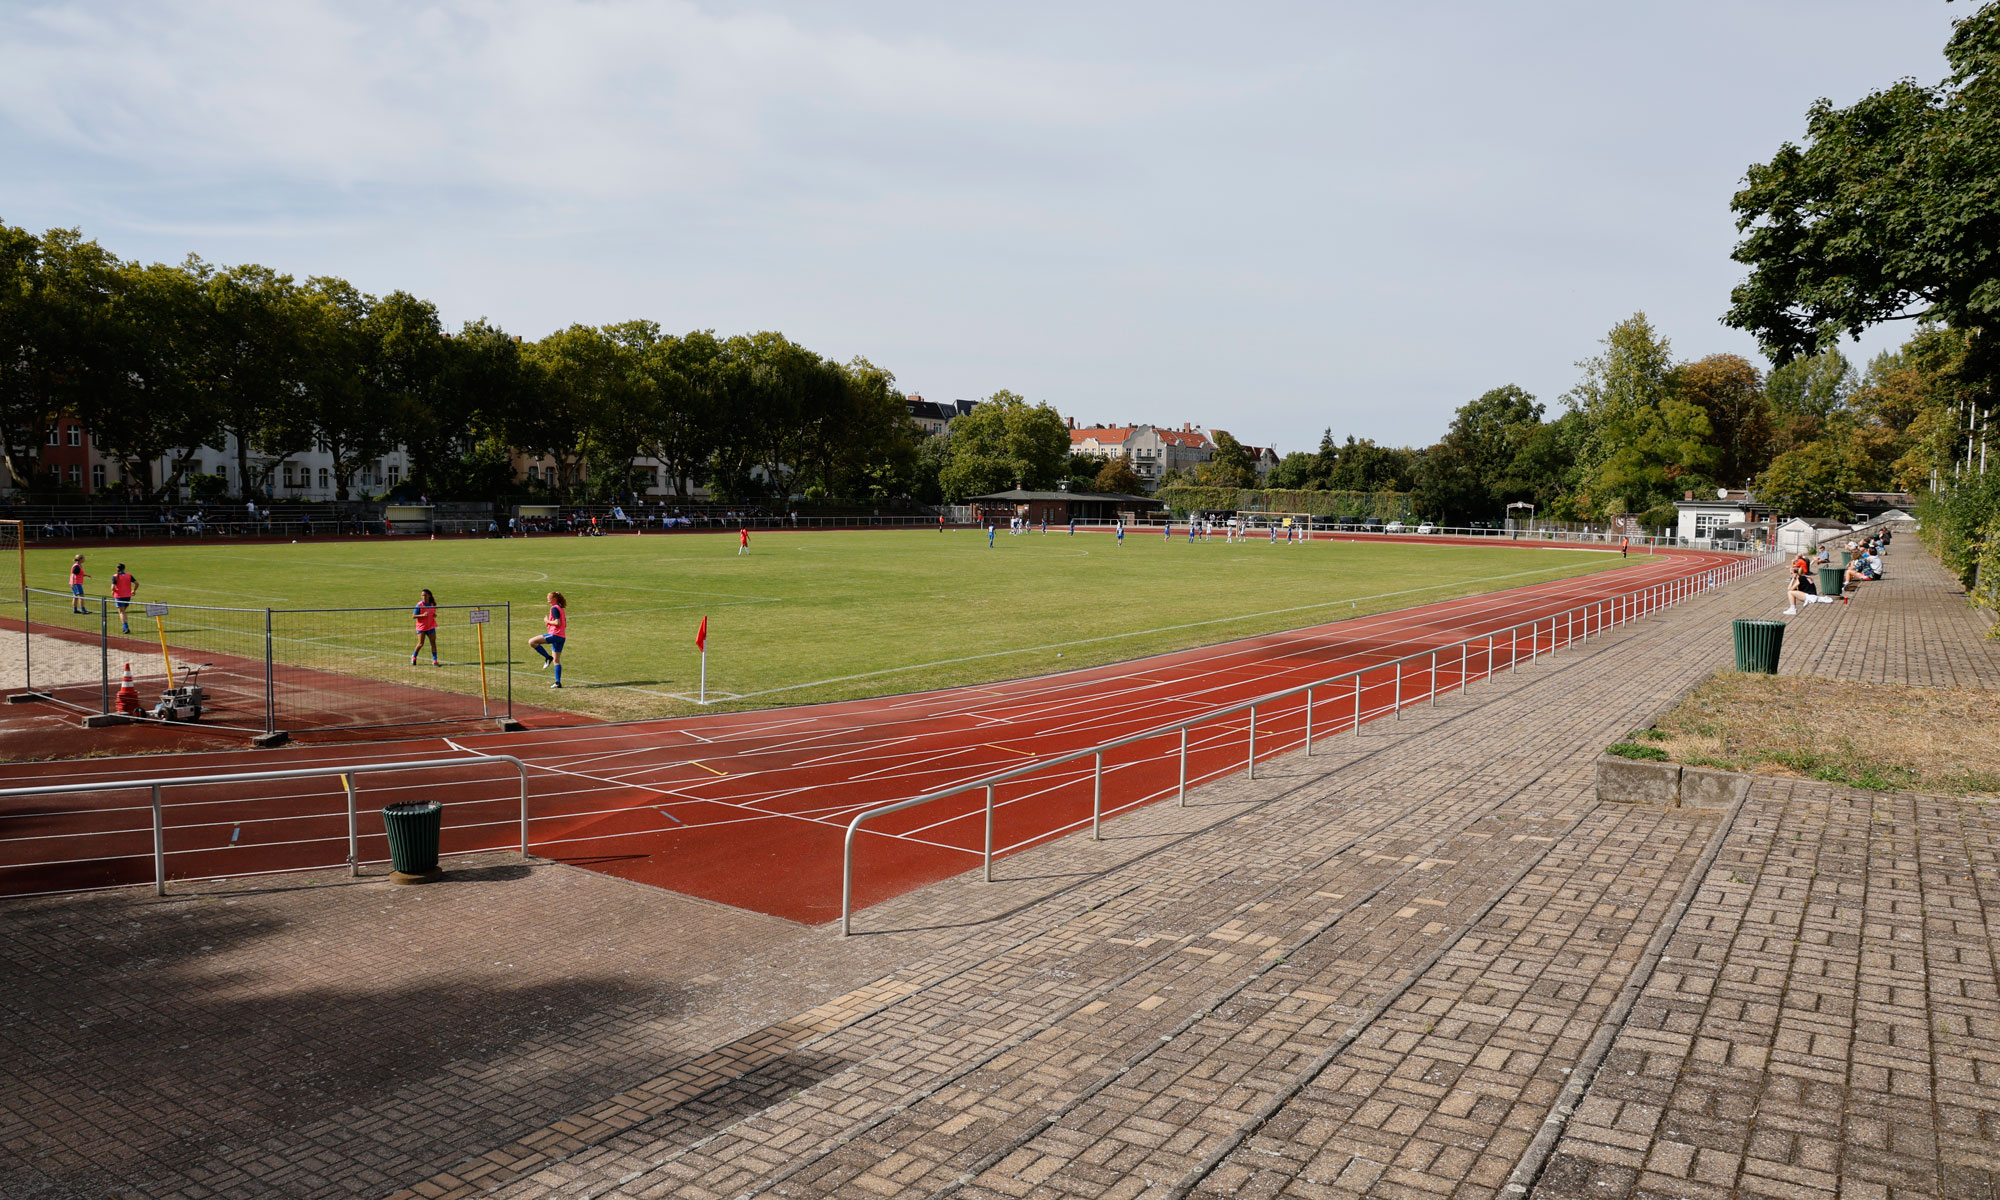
x=1615 y=611
x=345 y=772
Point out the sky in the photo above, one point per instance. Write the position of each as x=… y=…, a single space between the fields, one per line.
x=1271 y=218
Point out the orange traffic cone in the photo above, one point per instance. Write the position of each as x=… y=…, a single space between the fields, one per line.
x=128 y=696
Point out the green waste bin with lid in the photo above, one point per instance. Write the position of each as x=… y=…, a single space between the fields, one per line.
x=414 y=830
x=1758 y=644
x=1846 y=557
x=1831 y=581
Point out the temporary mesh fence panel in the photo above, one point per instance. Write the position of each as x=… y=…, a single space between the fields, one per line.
x=352 y=667
x=271 y=669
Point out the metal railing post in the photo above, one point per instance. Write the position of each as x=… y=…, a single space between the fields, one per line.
x=1253 y=742
x=846 y=873
x=1397 y=711
x=104 y=655
x=1309 y=722
x=1184 y=766
x=270 y=681
x=1434 y=678
x=1357 y=704
x=989 y=833
x=523 y=768
x=1513 y=649
x=1462 y=647
x=353 y=835
x=159 y=846
x=1097 y=798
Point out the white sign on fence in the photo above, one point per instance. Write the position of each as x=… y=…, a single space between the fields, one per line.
x=480 y=616
x=156 y=610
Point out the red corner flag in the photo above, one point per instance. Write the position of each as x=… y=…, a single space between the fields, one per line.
x=701 y=636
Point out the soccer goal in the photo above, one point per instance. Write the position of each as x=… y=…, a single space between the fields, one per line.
x=14 y=554
x=1281 y=521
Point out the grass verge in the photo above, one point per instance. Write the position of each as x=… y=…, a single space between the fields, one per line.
x=1944 y=741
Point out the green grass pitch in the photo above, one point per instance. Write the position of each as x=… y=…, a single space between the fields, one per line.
x=808 y=617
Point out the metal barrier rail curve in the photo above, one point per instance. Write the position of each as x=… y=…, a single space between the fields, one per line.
x=346 y=772
x=1598 y=615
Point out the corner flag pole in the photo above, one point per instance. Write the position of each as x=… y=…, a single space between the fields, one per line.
x=701 y=644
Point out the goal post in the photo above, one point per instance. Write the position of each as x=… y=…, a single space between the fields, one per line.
x=1257 y=519
x=14 y=559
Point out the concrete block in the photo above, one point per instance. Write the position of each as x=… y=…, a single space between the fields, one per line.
x=1635 y=781
x=1706 y=787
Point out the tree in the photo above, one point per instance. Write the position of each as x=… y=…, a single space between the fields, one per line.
x=1805 y=483
x=1118 y=477
x=353 y=414
x=1634 y=372
x=1004 y=443
x=408 y=361
x=1294 y=471
x=1887 y=213
x=577 y=375
x=1656 y=453
x=252 y=367
x=1472 y=473
x=1234 y=465
x=162 y=330
x=693 y=379
x=1084 y=468
x=1730 y=393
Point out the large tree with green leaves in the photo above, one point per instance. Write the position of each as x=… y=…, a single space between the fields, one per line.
x=1888 y=212
x=1475 y=469
x=1004 y=443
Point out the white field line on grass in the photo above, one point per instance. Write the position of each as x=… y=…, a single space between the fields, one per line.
x=1112 y=637
x=1036 y=691
x=1224 y=731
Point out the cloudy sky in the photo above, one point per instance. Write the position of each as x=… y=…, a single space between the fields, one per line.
x=1269 y=217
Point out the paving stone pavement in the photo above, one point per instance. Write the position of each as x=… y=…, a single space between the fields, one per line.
x=1827 y=1019
x=1370 y=972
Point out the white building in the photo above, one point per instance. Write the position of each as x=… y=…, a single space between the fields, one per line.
x=1705 y=517
x=1149 y=450
x=307 y=475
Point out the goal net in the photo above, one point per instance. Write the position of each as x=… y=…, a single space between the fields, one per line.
x=14 y=562
x=1281 y=521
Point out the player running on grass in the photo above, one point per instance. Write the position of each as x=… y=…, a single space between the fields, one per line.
x=557 y=623
x=743 y=540
x=76 y=578
x=122 y=586
x=426 y=614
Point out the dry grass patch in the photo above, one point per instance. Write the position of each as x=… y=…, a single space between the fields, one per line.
x=1945 y=741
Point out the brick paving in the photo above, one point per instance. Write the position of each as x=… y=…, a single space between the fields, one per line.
x=1371 y=972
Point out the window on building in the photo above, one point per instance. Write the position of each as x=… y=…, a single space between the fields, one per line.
x=222 y=470
x=395 y=475
x=535 y=472
x=54 y=435
x=75 y=475
x=325 y=478
x=288 y=476
x=97 y=477
x=76 y=435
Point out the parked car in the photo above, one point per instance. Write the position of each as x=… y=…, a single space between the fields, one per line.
x=1427 y=527
x=1397 y=527
x=1370 y=525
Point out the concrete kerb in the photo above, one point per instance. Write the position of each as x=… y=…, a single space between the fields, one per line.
x=1668 y=785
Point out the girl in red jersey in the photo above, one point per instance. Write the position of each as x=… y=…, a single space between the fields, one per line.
x=122 y=587
x=426 y=614
x=557 y=624
x=76 y=577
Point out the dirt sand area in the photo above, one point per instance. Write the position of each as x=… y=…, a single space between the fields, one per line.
x=55 y=661
x=1882 y=737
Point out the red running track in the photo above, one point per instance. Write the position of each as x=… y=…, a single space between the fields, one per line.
x=749 y=809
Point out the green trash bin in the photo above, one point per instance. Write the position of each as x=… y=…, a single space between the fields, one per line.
x=1831 y=581
x=414 y=829
x=1846 y=557
x=1758 y=644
